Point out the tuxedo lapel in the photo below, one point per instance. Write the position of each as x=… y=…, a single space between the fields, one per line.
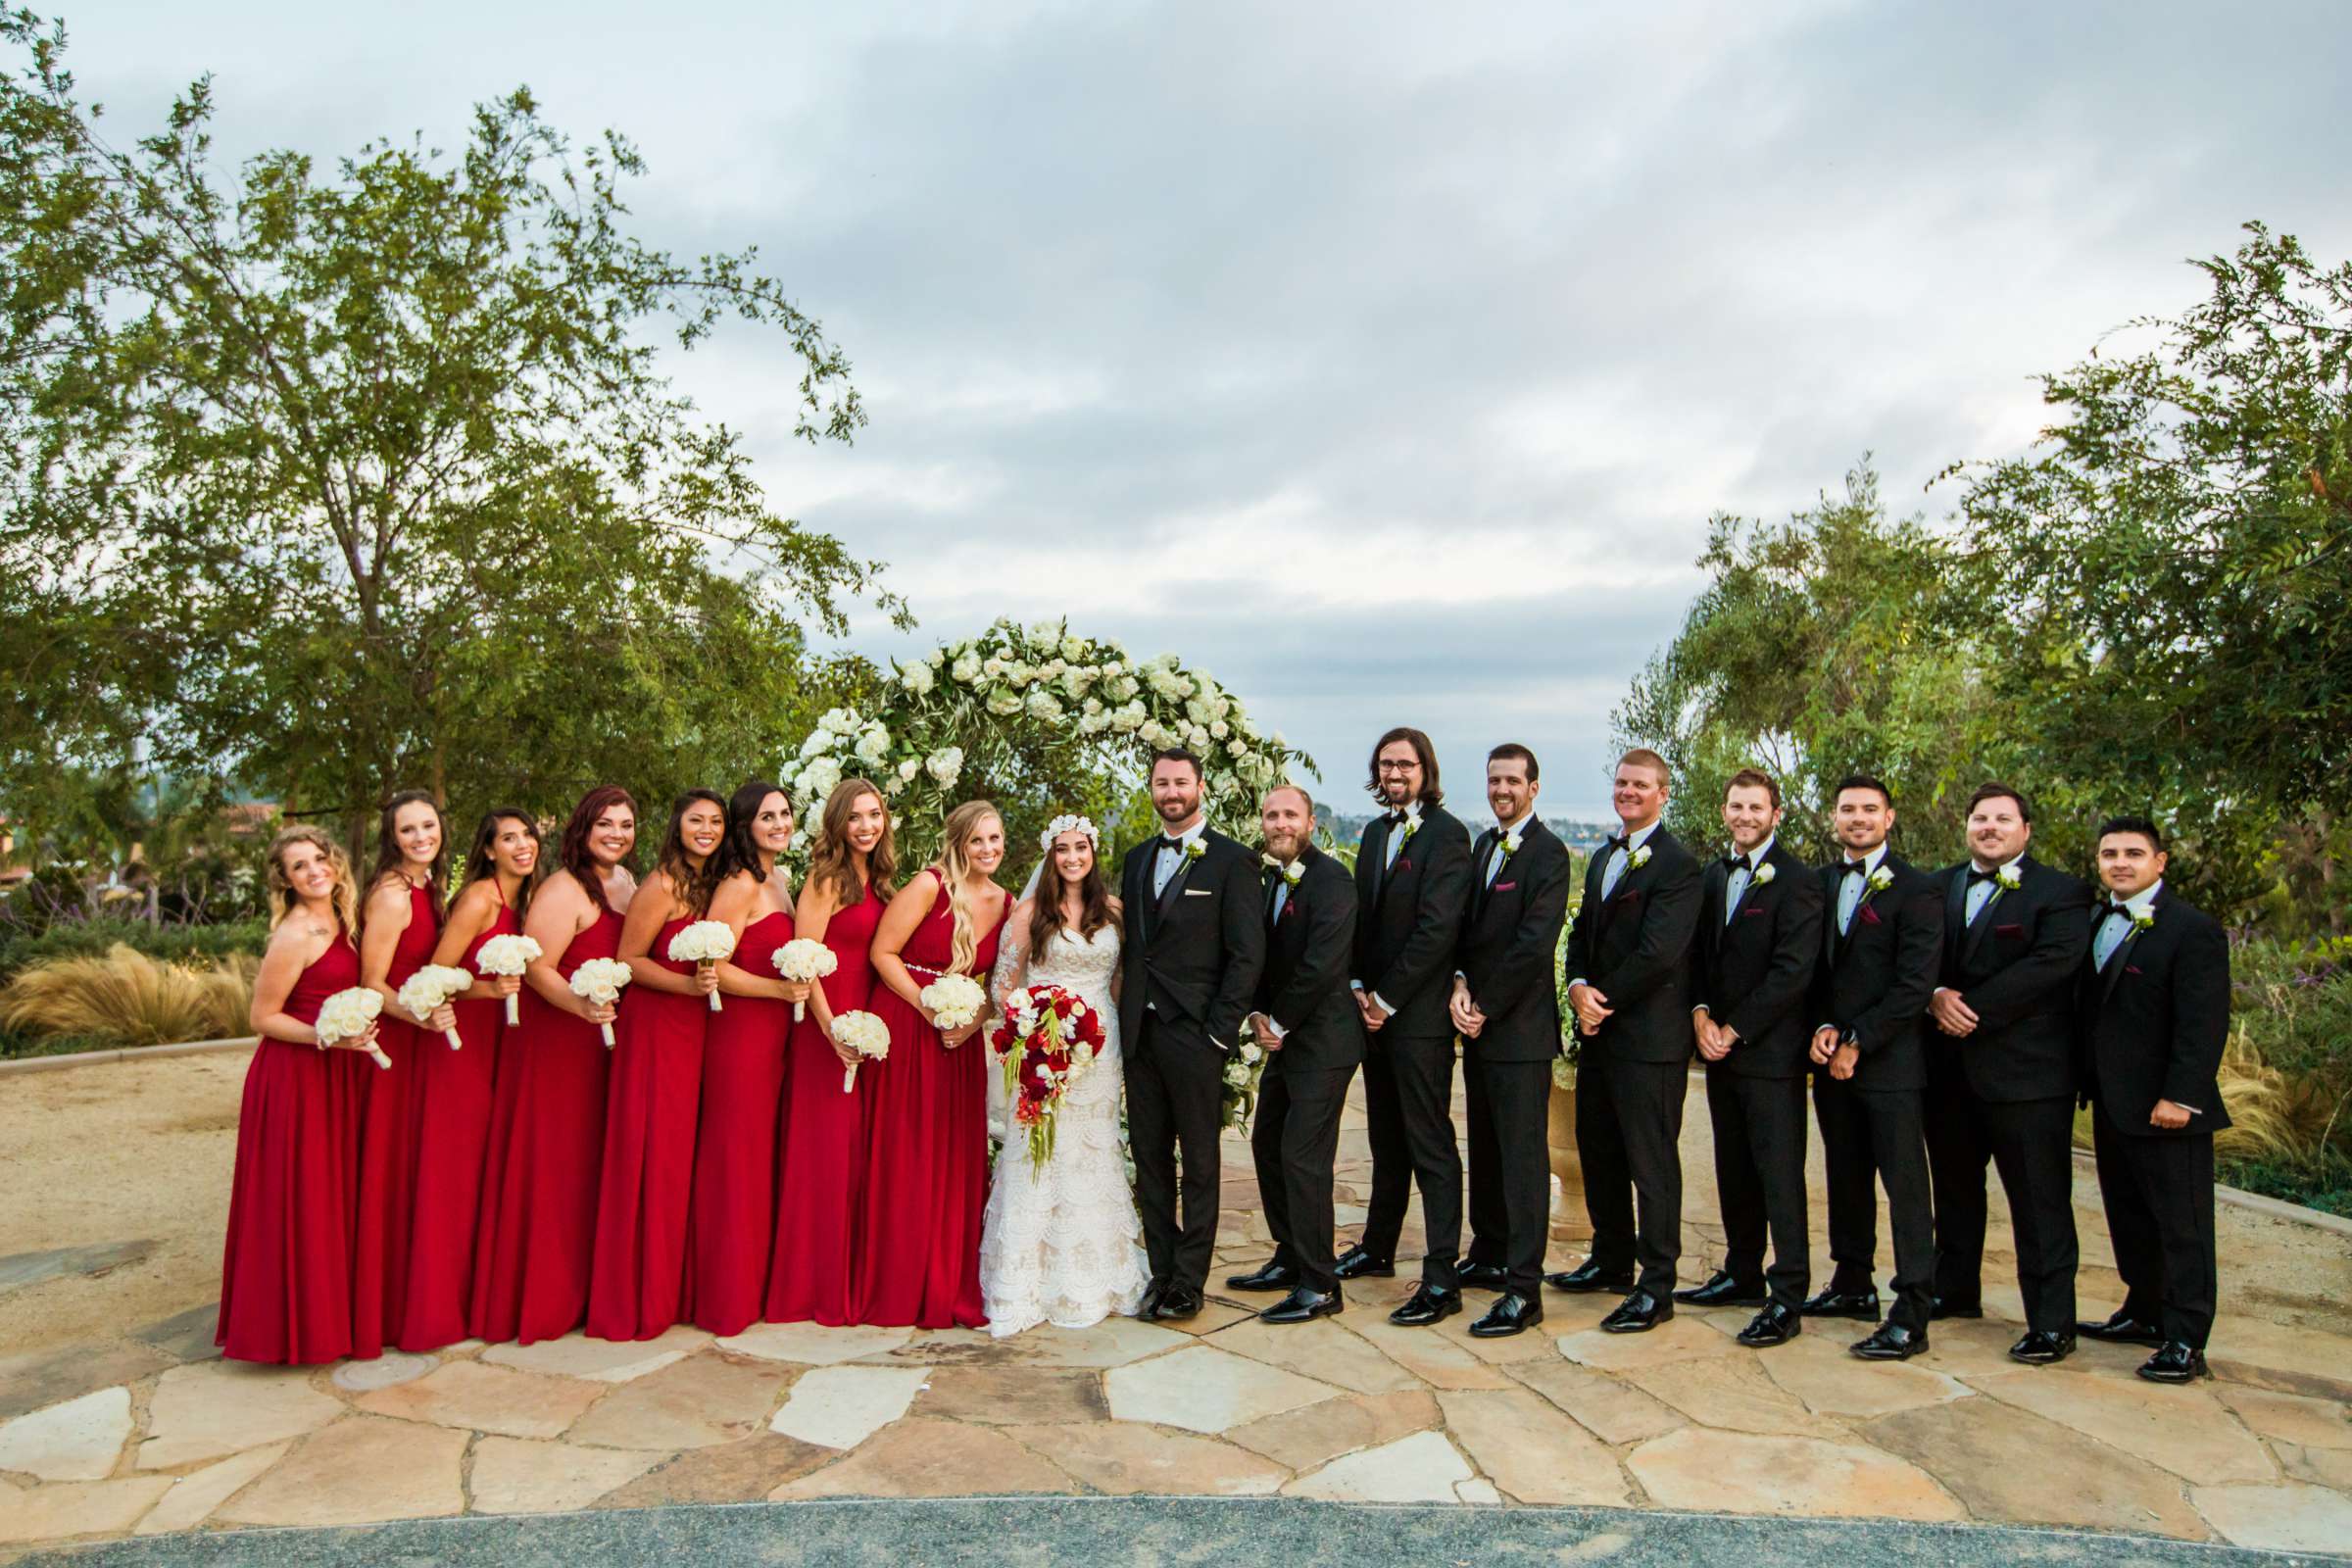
x=1175 y=888
x=2122 y=954
x=1974 y=934
x=1381 y=868
x=1955 y=918
x=1715 y=910
x=1489 y=845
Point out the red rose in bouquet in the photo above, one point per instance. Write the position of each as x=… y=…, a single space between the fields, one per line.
x=1048 y=1039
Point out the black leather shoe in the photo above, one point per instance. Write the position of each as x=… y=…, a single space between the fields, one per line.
x=1427 y=1306
x=2123 y=1329
x=1151 y=1302
x=1176 y=1303
x=1482 y=1276
x=1891 y=1342
x=1587 y=1277
x=1302 y=1305
x=1721 y=1289
x=1861 y=1305
x=1638 y=1313
x=1939 y=1310
x=1775 y=1325
x=2174 y=1362
x=2041 y=1348
x=1512 y=1313
x=1356 y=1263
x=1266 y=1277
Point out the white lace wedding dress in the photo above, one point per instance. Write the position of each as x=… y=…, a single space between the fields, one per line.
x=1062 y=1244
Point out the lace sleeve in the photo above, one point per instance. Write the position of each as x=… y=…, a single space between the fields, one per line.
x=1012 y=967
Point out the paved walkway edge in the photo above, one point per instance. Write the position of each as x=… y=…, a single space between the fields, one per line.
x=93 y=1058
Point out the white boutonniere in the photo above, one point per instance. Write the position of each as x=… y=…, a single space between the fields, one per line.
x=1412 y=824
x=1291 y=871
x=1879 y=881
x=1762 y=875
x=2008 y=878
x=1508 y=844
x=1194 y=849
x=2142 y=921
x=1637 y=860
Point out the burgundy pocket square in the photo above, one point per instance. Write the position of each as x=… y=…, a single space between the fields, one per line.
x=2008 y=930
x=1870 y=916
x=1503 y=887
x=2131 y=968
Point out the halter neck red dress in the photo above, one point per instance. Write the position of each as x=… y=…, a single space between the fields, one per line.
x=531 y=1250
x=637 y=1284
x=731 y=1223
x=286 y=1270
x=820 y=1165
x=396 y=1108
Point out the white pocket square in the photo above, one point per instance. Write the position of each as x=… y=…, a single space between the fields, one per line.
x=1200 y=892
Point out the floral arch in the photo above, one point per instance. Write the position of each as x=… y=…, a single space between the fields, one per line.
x=1040 y=721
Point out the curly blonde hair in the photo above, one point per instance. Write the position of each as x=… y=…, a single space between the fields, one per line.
x=284 y=901
x=954 y=868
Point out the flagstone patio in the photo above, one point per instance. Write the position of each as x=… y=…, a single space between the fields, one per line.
x=116 y=1419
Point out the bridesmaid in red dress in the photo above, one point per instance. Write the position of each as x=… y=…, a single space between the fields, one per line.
x=285 y=1273
x=927 y=1167
x=398 y=926
x=821 y=1163
x=730 y=1226
x=636 y=1287
x=537 y=1232
x=452 y=1088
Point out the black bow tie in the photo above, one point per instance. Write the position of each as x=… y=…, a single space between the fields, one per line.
x=1737 y=862
x=1167 y=842
x=2114 y=908
x=1853 y=868
x=1976 y=876
x=1396 y=818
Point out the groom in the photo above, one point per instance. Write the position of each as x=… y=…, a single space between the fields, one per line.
x=1195 y=941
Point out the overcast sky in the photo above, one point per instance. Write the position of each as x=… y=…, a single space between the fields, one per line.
x=1386 y=361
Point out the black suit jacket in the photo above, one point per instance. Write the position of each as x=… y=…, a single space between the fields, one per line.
x=1875 y=981
x=1635 y=948
x=1195 y=951
x=1510 y=941
x=2016 y=967
x=1754 y=972
x=1304 y=987
x=1409 y=919
x=2155 y=1020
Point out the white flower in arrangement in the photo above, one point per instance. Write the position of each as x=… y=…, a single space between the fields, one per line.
x=1195 y=711
x=993 y=667
x=917 y=679
x=946 y=765
x=818 y=740
x=1197 y=737
x=819 y=778
x=598 y=981
x=509 y=954
x=866 y=1035
x=1251 y=1053
x=432 y=987
x=1073 y=649
x=967 y=668
x=953 y=1001
x=1124 y=687
x=702 y=943
x=346 y=1015
x=1112 y=669
x=841 y=721
x=1046 y=635
x=1092 y=706
x=1093 y=724
x=874 y=745
x=806 y=960
x=1237 y=1074
x=936 y=658
x=892 y=788
x=1152 y=733
x=1220 y=729
x=1050 y=669
x=1128 y=718
x=1220 y=709
x=1003 y=700
x=1236 y=748
x=1276 y=741
x=908 y=768
x=1043 y=708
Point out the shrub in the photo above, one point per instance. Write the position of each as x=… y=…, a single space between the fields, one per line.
x=174 y=944
x=127 y=998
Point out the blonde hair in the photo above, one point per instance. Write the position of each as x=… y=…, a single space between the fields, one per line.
x=283 y=897
x=954 y=867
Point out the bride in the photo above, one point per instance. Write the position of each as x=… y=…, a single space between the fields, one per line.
x=1063 y=1243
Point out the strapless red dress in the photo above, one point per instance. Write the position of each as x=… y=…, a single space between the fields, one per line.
x=388 y=1147
x=637 y=1284
x=732 y=1221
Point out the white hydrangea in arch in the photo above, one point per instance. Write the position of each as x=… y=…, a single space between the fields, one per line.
x=1042 y=720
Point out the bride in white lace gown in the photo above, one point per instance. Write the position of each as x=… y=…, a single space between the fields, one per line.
x=1063 y=1243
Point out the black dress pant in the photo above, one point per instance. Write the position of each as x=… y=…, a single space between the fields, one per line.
x=1408 y=1108
x=1759 y=1128
x=1175 y=1090
x=1628 y=1122
x=1867 y=1138
x=2159 y=1198
x=1294 y=1144
x=2031 y=1142
x=1510 y=1167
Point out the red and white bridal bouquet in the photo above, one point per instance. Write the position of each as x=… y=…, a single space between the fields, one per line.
x=1048 y=1040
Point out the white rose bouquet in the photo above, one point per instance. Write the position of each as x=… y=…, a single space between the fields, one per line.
x=808 y=961
x=599 y=981
x=504 y=956
x=953 y=1001
x=429 y=989
x=703 y=943
x=349 y=1014
x=866 y=1035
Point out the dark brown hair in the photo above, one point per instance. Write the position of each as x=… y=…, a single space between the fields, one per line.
x=1864 y=781
x=1753 y=778
x=691 y=885
x=481 y=857
x=830 y=860
x=1995 y=792
x=1511 y=750
x=2140 y=826
x=1431 y=794
x=1045 y=911
x=572 y=851
x=388 y=858
x=1177 y=754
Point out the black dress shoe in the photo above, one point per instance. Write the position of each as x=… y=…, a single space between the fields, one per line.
x=2041 y=1348
x=1151 y=1302
x=1721 y=1289
x=1638 y=1313
x=1891 y=1342
x=2123 y=1329
x=1266 y=1277
x=1482 y=1276
x=1176 y=1303
x=1862 y=1306
x=2174 y=1362
x=1587 y=1277
x=1427 y=1306
x=1357 y=1263
x=1775 y=1325
x=1512 y=1313
x=1302 y=1305
x=1938 y=1309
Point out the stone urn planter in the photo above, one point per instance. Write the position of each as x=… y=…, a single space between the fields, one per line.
x=1568 y=1219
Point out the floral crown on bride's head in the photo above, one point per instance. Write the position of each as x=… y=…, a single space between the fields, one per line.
x=1067 y=823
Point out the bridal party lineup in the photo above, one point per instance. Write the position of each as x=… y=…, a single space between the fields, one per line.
x=643 y=1071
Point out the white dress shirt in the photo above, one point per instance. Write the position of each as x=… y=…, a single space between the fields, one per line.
x=1850 y=887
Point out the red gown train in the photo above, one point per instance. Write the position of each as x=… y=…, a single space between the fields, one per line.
x=730 y=1226
x=390 y=1128
x=636 y=1286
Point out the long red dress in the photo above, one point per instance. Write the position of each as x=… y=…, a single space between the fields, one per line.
x=396 y=1107
x=636 y=1288
x=285 y=1271
x=449 y=1133
x=820 y=1169
x=926 y=1161
x=547 y=1141
x=731 y=1223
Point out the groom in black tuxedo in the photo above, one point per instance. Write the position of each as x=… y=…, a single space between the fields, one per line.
x=1194 y=942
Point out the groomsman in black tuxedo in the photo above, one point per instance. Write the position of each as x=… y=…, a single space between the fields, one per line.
x=1412 y=884
x=1506 y=1008
x=1313 y=1035
x=1194 y=942
x=2154 y=1007
x=1882 y=942
x=2001 y=1070
x=1630 y=954
x=1759 y=940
